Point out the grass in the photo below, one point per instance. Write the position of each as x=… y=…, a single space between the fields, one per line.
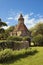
x=23 y=57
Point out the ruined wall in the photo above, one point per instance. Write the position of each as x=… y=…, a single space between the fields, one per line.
x=15 y=45
x=21 y=45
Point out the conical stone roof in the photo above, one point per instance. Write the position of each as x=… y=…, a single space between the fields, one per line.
x=21 y=27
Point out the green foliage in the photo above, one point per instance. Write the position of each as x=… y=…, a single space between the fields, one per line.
x=10 y=44
x=26 y=38
x=6 y=44
x=13 y=42
x=2 y=30
x=35 y=59
x=3 y=24
x=32 y=56
x=9 y=55
x=38 y=40
x=6 y=55
x=10 y=29
x=37 y=34
x=14 y=38
x=4 y=36
x=37 y=29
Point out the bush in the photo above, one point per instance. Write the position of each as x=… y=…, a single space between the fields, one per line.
x=10 y=55
x=26 y=38
x=6 y=55
x=38 y=40
x=14 y=38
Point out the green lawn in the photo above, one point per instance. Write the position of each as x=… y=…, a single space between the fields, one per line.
x=33 y=59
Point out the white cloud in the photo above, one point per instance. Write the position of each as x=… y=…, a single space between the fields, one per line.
x=5 y=27
x=17 y=16
x=39 y=16
x=29 y=22
x=10 y=18
x=40 y=20
x=31 y=13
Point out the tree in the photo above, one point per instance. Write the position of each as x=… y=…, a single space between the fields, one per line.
x=37 y=34
x=1 y=25
x=37 y=29
x=38 y=39
x=2 y=31
x=10 y=29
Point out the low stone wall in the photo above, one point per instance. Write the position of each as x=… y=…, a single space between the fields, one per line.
x=15 y=45
x=21 y=45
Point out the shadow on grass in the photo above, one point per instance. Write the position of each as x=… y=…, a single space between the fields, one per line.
x=19 y=56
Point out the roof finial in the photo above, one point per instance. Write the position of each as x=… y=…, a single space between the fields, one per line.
x=21 y=16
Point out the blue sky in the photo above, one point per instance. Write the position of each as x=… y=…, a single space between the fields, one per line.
x=32 y=11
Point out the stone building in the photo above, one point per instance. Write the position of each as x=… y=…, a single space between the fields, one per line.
x=20 y=29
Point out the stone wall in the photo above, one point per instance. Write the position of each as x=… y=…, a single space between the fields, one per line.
x=21 y=45
x=15 y=45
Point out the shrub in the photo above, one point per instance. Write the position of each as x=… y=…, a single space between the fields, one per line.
x=14 y=38
x=27 y=39
x=10 y=55
x=6 y=55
